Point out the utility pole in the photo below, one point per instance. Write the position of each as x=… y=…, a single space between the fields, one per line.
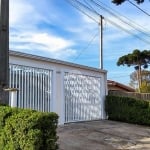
x=4 y=50
x=101 y=42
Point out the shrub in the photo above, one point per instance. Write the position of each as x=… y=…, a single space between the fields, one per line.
x=128 y=110
x=6 y=112
x=28 y=130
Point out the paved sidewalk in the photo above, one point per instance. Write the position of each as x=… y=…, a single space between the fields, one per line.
x=103 y=135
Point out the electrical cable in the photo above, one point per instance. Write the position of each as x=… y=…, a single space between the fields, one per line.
x=119 y=18
x=139 y=8
x=131 y=21
x=115 y=24
x=127 y=31
x=78 y=5
x=89 y=43
x=69 y=1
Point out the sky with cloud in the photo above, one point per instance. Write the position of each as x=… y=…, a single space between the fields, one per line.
x=55 y=29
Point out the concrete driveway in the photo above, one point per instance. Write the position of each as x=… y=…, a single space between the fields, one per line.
x=103 y=135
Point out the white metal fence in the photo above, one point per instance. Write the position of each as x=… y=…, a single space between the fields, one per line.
x=34 y=86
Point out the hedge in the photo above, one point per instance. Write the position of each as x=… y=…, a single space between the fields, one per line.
x=23 y=129
x=128 y=110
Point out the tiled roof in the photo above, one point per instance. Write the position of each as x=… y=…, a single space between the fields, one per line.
x=120 y=85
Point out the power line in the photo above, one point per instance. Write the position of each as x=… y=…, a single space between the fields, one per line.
x=75 y=6
x=92 y=39
x=89 y=43
x=80 y=6
x=118 y=17
x=129 y=20
x=139 y=8
x=127 y=31
x=117 y=25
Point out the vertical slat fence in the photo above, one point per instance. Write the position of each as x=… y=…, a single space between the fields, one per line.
x=34 y=86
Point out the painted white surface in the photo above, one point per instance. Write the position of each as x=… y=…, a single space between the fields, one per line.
x=59 y=69
x=13 y=98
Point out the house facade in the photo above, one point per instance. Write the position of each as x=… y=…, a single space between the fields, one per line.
x=116 y=86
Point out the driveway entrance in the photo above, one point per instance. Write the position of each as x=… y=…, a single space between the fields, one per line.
x=82 y=97
x=103 y=135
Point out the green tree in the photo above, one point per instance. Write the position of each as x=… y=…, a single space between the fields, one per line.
x=138 y=59
x=145 y=87
x=118 y=2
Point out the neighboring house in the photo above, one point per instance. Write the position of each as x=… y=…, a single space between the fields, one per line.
x=116 y=86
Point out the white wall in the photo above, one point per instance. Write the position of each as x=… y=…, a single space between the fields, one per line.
x=59 y=68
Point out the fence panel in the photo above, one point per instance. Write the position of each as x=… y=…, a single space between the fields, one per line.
x=142 y=96
x=34 y=86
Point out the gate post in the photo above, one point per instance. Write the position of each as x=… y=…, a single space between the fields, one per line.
x=13 y=96
x=104 y=92
x=58 y=95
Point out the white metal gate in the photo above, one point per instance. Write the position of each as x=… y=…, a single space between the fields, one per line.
x=82 y=97
x=34 y=86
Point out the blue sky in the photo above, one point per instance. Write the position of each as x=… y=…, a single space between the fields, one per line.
x=55 y=29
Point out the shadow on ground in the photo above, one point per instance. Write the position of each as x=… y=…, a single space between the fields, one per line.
x=103 y=135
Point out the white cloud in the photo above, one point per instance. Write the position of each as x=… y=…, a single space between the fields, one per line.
x=27 y=13
x=52 y=43
x=25 y=18
x=66 y=32
x=64 y=54
x=36 y=41
x=20 y=11
x=25 y=35
x=90 y=19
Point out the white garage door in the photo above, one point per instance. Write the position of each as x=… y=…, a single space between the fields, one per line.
x=82 y=97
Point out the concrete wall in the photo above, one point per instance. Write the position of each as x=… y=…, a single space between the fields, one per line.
x=59 y=68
